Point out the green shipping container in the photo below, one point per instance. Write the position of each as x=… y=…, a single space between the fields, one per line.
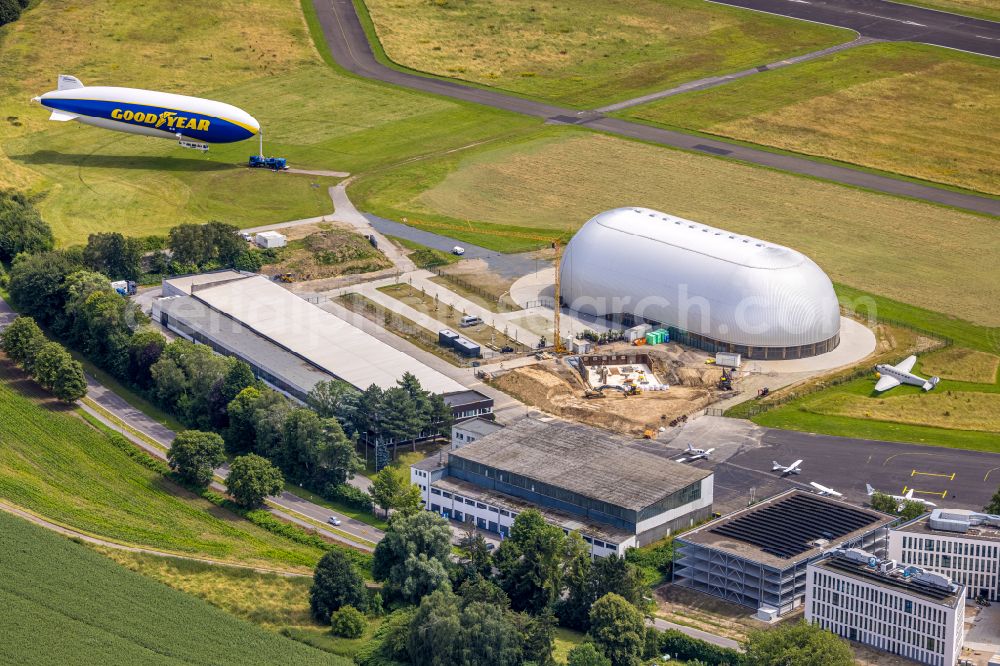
x=650 y=338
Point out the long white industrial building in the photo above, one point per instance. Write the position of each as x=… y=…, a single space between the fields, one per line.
x=713 y=289
x=305 y=331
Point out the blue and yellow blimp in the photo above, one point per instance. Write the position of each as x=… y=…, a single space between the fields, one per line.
x=192 y=121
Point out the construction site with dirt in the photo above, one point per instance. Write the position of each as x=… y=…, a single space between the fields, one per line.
x=619 y=389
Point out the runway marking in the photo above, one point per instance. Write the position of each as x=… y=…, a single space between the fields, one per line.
x=887 y=18
x=906 y=453
x=990 y=472
x=950 y=477
x=803 y=2
x=942 y=493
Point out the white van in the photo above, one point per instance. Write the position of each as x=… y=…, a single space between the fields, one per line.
x=458 y=250
x=470 y=320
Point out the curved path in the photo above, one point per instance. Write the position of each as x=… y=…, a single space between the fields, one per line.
x=348 y=44
x=74 y=534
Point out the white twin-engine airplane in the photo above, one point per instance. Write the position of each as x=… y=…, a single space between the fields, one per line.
x=697 y=454
x=823 y=490
x=908 y=497
x=787 y=469
x=891 y=376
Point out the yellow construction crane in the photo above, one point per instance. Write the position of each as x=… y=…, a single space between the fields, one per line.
x=555 y=243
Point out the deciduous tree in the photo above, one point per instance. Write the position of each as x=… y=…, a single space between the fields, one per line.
x=252 y=478
x=585 y=654
x=618 y=630
x=195 y=455
x=398 y=554
x=798 y=644
x=336 y=583
x=21 y=227
x=22 y=341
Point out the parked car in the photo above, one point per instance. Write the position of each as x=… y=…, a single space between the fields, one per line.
x=333 y=520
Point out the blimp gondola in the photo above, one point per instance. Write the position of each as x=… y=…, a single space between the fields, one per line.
x=191 y=121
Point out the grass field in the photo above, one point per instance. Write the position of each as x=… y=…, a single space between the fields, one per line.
x=560 y=177
x=985 y=9
x=56 y=465
x=63 y=603
x=913 y=109
x=262 y=60
x=851 y=410
x=962 y=364
x=269 y=600
x=586 y=53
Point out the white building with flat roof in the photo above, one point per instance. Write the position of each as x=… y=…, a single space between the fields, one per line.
x=963 y=545
x=270 y=239
x=907 y=611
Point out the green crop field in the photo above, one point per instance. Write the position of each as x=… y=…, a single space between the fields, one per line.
x=917 y=110
x=555 y=180
x=65 y=604
x=585 y=53
x=259 y=58
x=56 y=465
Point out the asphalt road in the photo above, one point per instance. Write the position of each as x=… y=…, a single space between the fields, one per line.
x=510 y=266
x=890 y=21
x=349 y=47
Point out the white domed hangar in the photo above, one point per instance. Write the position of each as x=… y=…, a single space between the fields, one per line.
x=712 y=289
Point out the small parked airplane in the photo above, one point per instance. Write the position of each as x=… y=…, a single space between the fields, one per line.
x=823 y=490
x=697 y=454
x=908 y=497
x=789 y=469
x=891 y=376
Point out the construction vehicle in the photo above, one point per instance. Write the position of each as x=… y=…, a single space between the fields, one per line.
x=647 y=433
x=285 y=277
x=726 y=382
x=591 y=394
x=272 y=163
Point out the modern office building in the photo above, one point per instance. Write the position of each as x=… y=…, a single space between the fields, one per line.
x=712 y=289
x=757 y=556
x=580 y=478
x=963 y=545
x=904 y=611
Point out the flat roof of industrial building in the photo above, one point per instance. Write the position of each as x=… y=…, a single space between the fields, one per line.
x=186 y=283
x=239 y=340
x=479 y=426
x=584 y=460
x=784 y=530
x=922 y=526
x=322 y=338
x=862 y=572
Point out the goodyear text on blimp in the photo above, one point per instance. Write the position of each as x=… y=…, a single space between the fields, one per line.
x=168 y=118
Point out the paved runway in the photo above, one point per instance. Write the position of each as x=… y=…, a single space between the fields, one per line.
x=349 y=47
x=951 y=478
x=890 y=21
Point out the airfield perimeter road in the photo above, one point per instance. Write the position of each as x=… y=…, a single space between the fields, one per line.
x=349 y=47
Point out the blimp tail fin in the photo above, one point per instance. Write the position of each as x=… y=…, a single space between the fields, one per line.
x=67 y=82
x=62 y=116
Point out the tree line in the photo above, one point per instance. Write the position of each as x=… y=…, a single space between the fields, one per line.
x=48 y=363
x=10 y=10
x=502 y=607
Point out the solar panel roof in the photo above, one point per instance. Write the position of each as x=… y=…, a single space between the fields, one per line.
x=788 y=528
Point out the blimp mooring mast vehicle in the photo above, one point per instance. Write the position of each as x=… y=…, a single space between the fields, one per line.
x=193 y=122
